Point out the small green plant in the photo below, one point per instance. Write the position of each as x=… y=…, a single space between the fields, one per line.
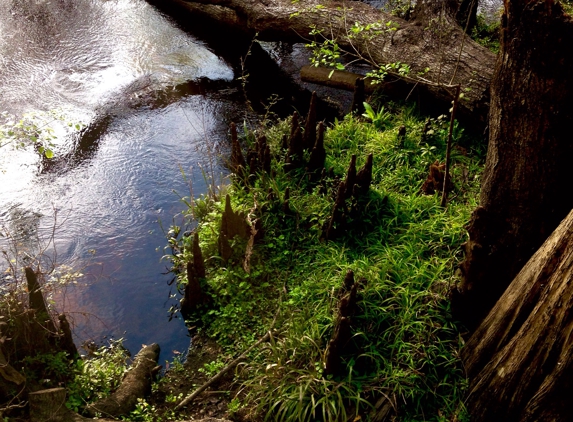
x=381 y=119
x=48 y=369
x=487 y=34
x=400 y=8
x=327 y=52
x=211 y=368
x=234 y=406
x=143 y=412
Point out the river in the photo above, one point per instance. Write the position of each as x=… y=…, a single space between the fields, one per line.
x=112 y=182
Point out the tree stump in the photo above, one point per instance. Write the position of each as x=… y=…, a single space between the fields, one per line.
x=48 y=405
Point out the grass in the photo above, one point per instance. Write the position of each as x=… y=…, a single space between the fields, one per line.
x=400 y=244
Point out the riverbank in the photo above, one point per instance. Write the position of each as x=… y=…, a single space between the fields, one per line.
x=352 y=282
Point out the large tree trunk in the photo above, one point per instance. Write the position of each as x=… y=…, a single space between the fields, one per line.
x=527 y=175
x=520 y=359
x=432 y=40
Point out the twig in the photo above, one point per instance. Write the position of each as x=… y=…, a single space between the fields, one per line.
x=449 y=148
x=463 y=41
x=222 y=372
x=13 y=406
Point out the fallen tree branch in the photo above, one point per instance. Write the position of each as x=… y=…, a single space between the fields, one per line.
x=444 y=201
x=222 y=372
x=435 y=50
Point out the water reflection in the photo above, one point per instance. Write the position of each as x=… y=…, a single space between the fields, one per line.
x=135 y=80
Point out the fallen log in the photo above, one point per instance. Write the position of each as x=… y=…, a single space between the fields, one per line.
x=439 y=53
x=336 y=78
x=136 y=384
x=520 y=359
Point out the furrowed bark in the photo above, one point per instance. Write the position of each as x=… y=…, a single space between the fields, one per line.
x=528 y=167
x=520 y=359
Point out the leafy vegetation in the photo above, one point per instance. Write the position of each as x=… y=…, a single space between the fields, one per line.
x=487 y=34
x=98 y=375
x=401 y=245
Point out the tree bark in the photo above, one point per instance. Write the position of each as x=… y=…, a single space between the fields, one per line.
x=527 y=174
x=432 y=43
x=520 y=359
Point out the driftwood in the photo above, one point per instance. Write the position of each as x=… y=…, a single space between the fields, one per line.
x=432 y=43
x=340 y=79
x=136 y=384
x=520 y=359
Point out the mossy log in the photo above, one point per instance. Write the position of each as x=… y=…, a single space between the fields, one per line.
x=136 y=384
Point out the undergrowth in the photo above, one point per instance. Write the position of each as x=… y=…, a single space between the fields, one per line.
x=402 y=247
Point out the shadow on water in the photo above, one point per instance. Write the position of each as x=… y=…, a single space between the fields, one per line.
x=263 y=79
x=265 y=76
x=136 y=97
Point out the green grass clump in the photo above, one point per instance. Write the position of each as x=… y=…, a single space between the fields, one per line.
x=402 y=247
x=487 y=34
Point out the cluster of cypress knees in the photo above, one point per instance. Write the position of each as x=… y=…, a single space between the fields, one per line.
x=256 y=161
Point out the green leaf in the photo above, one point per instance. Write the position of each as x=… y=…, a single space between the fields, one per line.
x=49 y=153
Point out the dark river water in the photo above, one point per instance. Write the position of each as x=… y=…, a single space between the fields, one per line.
x=110 y=185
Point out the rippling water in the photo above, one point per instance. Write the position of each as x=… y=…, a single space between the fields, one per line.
x=122 y=60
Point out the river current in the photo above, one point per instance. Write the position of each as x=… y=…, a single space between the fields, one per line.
x=134 y=81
